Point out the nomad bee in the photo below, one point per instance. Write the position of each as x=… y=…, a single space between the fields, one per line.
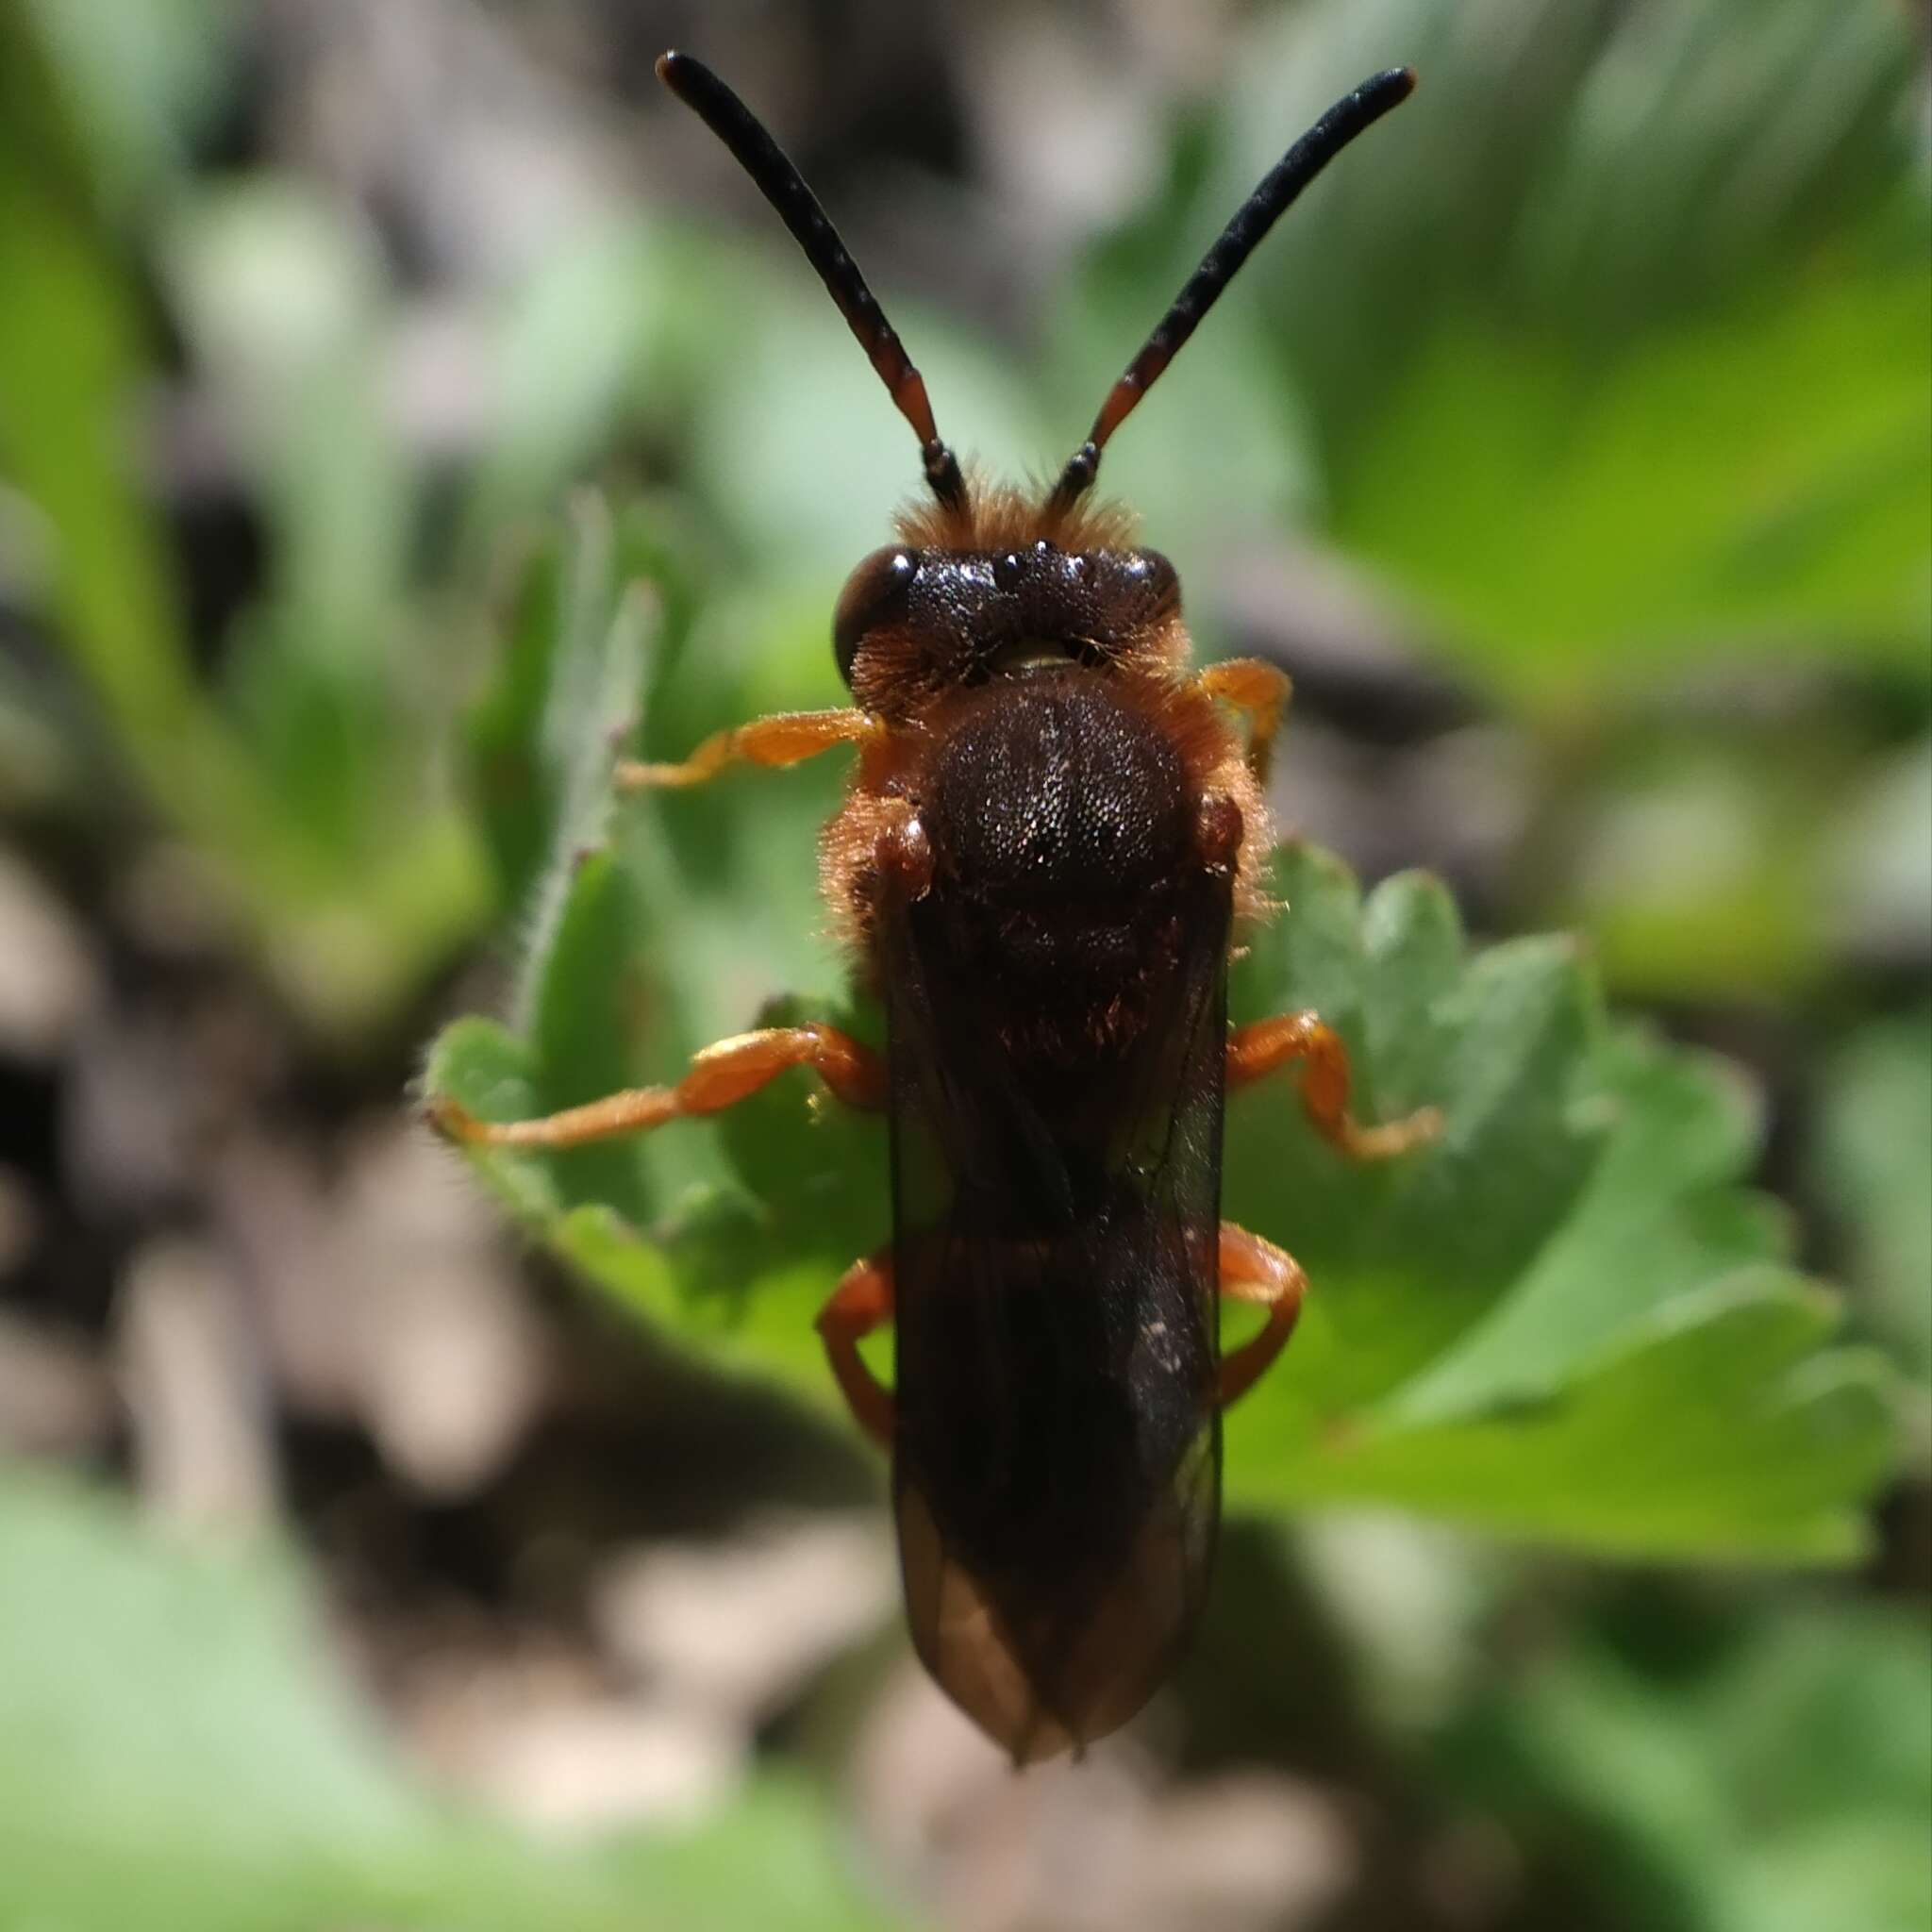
x=1051 y=829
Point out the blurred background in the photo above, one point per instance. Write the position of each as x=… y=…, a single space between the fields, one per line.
x=1571 y=445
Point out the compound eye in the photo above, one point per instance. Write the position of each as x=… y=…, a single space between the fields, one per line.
x=875 y=594
x=1154 y=576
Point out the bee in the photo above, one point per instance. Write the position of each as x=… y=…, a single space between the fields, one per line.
x=1050 y=832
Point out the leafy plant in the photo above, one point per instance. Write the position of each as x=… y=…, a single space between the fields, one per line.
x=1699 y=1814
x=171 y=1756
x=1875 y=1148
x=296 y=775
x=1612 y=343
x=1567 y=1321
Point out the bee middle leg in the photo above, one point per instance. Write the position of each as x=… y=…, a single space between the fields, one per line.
x=720 y=1076
x=1260 y=1048
x=861 y=1302
x=1253 y=1270
x=786 y=738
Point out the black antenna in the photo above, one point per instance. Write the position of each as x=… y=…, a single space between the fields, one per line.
x=783 y=185
x=1333 y=132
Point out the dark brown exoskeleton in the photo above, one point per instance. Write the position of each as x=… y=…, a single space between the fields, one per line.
x=1051 y=831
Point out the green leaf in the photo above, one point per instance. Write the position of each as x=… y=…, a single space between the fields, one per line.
x=70 y=341
x=141 y=83
x=170 y=1735
x=1728 y=1429
x=770 y=390
x=1565 y=1320
x=1874 y=1152
x=1662 y=1198
x=566 y=345
x=284 y=304
x=1707 y=1815
x=1541 y=512
x=566 y=690
x=1611 y=344
x=304 y=793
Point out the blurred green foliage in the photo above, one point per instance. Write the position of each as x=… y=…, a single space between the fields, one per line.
x=173 y=1755
x=1693 y=1807
x=1875 y=1138
x=300 y=780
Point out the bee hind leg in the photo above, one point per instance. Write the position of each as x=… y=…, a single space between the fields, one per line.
x=861 y=1302
x=720 y=1077
x=1258 y=1049
x=1253 y=1270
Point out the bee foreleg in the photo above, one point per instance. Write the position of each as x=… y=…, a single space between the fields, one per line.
x=786 y=738
x=1253 y=1270
x=1258 y=1049
x=861 y=1302
x=1259 y=689
x=720 y=1077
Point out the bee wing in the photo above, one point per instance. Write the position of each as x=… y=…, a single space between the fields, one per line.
x=1056 y=1470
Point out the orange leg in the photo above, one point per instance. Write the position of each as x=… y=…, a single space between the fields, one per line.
x=1253 y=1270
x=1261 y=692
x=720 y=1077
x=861 y=1302
x=1253 y=1051
x=786 y=738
